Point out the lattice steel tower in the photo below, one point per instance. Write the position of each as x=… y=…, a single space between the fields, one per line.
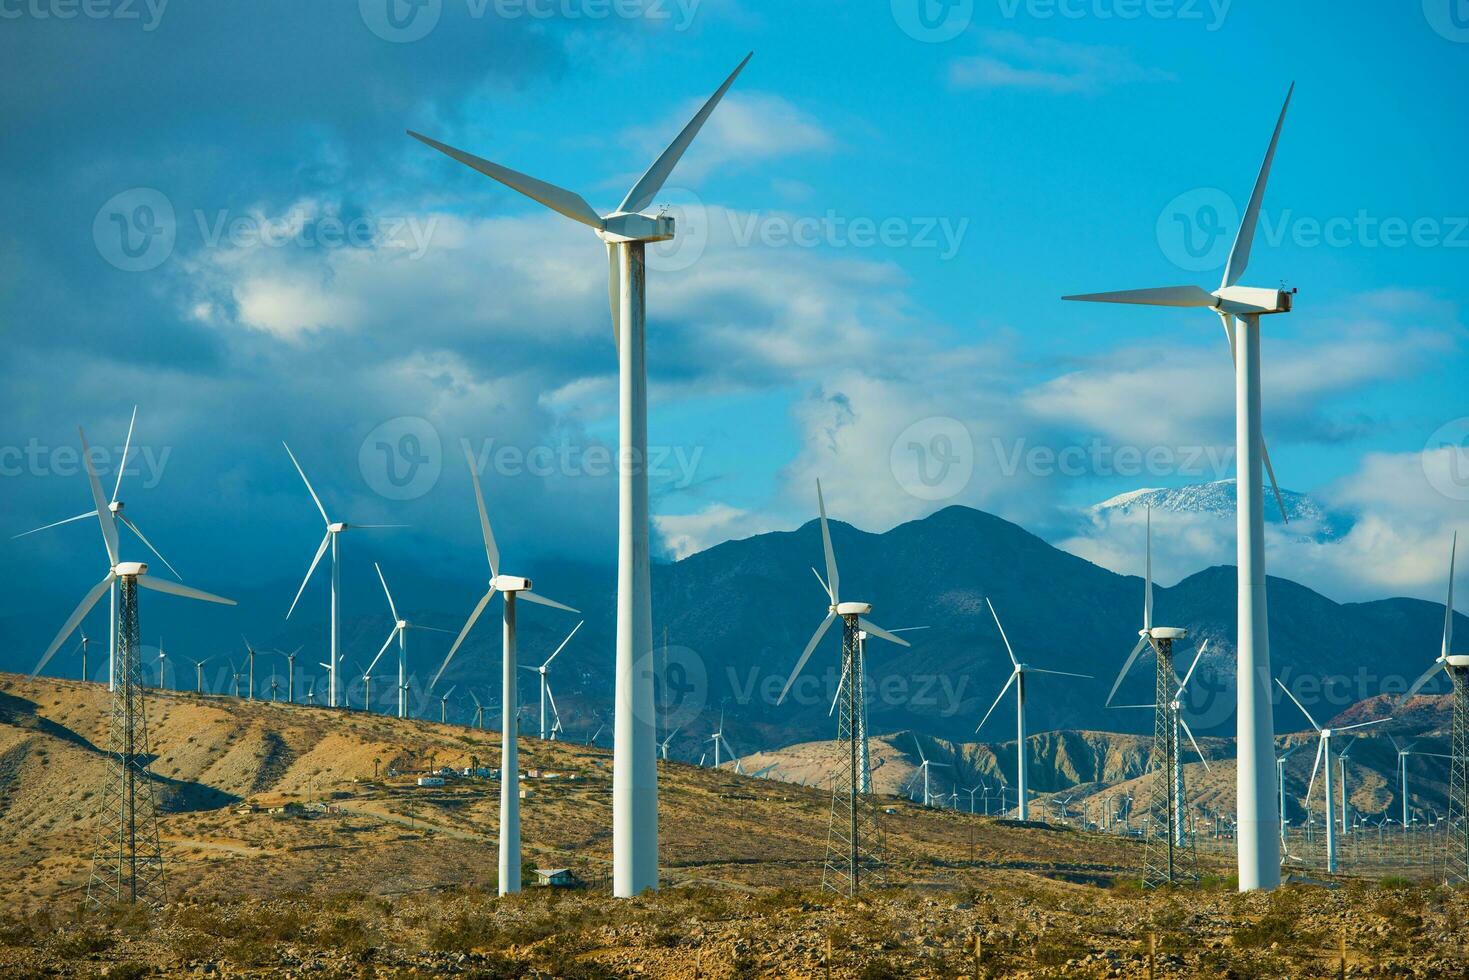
x=1456 y=838
x=127 y=865
x=854 y=842
x=1168 y=852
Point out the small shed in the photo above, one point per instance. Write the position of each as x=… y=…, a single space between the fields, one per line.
x=430 y=780
x=556 y=878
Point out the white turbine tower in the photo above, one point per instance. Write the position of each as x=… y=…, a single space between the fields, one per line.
x=1323 y=751
x=1017 y=677
x=399 y=632
x=926 y=764
x=199 y=674
x=117 y=571
x=546 y=683
x=119 y=512
x=1240 y=309
x=626 y=233
x=511 y=587
x=333 y=530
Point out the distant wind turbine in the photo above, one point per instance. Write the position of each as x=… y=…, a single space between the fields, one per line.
x=546 y=683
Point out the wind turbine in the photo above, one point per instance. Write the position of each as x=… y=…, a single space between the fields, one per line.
x=311 y=692
x=290 y=673
x=199 y=674
x=719 y=741
x=663 y=745
x=1442 y=663
x=444 y=705
x=479 y=711
x=546 y=684
x=399 y=632
x=1323 y=751
x=1240 y=309
x=333 y=530
x=250 y=659
x=161 y=658
x=924 y=767
x=511 y=587
x=1403 y=752
x=118 y=510
x=1280 y=788
x=626 y=232
x=128 y=574
x=82 y=645
x=1017 y=678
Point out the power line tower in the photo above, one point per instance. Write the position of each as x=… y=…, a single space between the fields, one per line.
x=127 y=865
x=1168 y=849
x=1456 y=837
x=854 y=842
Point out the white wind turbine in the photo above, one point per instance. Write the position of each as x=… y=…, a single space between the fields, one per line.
x=663 y=745
x=1323 y=751
x=1240 y=309
x=444 y=705
x=199 y=674
x=333 y=530
x=1017 y=677
x=546 y=683
x=924 y=767
x=511 y=588
x=399 y=632
x=118 y=510
x=626 y=233
x=134 y=572
x=1445 y=651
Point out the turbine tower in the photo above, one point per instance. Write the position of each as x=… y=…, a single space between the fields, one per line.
x=119 y=514
x=924 y=767
x=399 y=632
x=333 y=530
x=127 y=864
x=1240 y=308
x=853 y=839
x=511 y=587
x=546 y=683
x=626 y=233
x=199 y=674
x=290 y=673
x=1456 y=665
x=1017 y=677
x=1323 y=753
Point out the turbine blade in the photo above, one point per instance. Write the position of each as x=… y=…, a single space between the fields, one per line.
x=806 y=655
x=833 y=578
x=558 y=199
x=1239 y=256
x=837 y=696
x=1448 y=606
x=77 y=615
x=492 y=551
x=1320 y=745
x=1189 y=675
x=1184 y=296
x=824 y=587
x=1194 y=742
x=1058 y=673
x=555 y=714
x=309 y=488
x=326 y=540
x=1142 y=641
x=47 y=527
x=614 y=293
x=104 y=513
x=1264 y=446
x=1361 y=724
x=180 y=589
x=391 y=607
x=998 y=698
x=1298 y=705
x=878 y=631
x=562 y=646
x=122 y=468
x=919 y=746
x=469 y=624
x=1424 y=679
x=1002 y=633
x=539 y=599
x=1148 y=586
x=392 y=635
x=651 y=182
x=134 y=528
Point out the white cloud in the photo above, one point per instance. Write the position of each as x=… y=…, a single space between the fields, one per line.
x=687 y=534
x=1014 y=60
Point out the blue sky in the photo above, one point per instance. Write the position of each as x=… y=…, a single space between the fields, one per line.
x=1044 y=148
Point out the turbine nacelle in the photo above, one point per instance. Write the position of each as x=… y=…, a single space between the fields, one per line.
x=1164 y=633
x=1458 y=661
x=510 y=583
x=130 y=569
x=338 y=527
x=632 y=226
x=1253 y=300
x=852 y=608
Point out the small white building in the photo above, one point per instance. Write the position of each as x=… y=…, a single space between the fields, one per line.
x=556 y=878
x=430 y=780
